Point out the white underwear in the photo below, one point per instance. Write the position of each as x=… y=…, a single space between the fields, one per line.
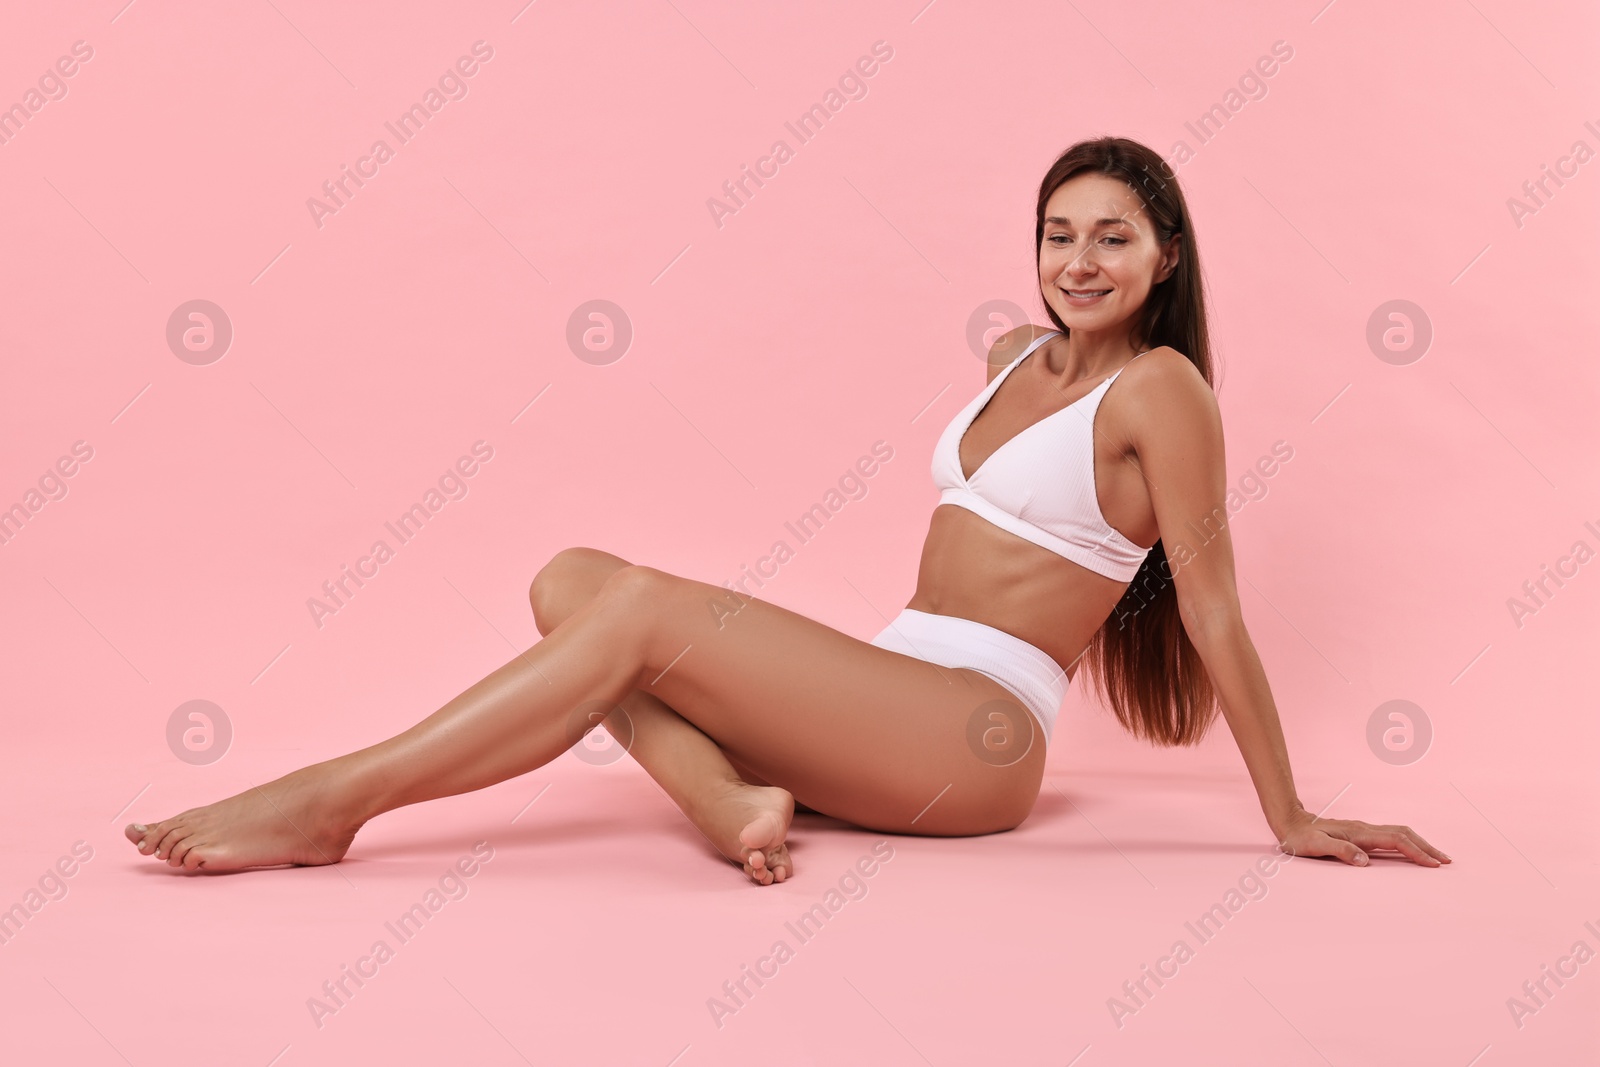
x=1027 y=671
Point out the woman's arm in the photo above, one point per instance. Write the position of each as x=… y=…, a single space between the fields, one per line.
x=1178 y=444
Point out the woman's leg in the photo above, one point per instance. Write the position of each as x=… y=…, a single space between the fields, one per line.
x=744 y=818
x=571 y=578
x=858 y=732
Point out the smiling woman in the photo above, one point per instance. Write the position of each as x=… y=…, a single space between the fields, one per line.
x=1150 y=671
x=1093 y=444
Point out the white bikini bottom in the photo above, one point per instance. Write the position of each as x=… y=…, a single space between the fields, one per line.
x=1028 y=672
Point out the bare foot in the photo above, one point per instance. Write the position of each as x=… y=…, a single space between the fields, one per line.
x=748 y=824
x=288 y=821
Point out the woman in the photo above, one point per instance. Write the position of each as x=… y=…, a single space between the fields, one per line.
x=1053 y=484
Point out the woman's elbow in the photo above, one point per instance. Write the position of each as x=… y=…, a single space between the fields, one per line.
x=1204 y=617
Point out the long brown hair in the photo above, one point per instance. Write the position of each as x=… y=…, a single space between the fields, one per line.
x=1141 y=659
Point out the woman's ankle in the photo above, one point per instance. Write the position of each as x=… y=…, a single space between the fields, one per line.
x=346 y=793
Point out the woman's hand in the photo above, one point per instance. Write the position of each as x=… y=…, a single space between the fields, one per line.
x=1351 y=839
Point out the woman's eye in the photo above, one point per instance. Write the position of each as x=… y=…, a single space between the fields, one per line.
x=1061 y=238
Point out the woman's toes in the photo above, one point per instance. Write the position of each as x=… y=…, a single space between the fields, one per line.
x=177 y=848
x=778 y=863
x=144 y=837
x=774 y=865
x=161 y=838
x=173 y=846
x=194 y=857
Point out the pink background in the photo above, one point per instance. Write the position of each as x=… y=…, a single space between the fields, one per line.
x=767 y=355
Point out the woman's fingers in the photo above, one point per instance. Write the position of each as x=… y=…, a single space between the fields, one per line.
x=1399 y=839
x=1429 y=849
x=1349 y=841
x=1403 y=844
x=1346 y=850
x=1319 y=842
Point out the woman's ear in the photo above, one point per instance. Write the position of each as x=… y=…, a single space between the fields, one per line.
x=1170 y=256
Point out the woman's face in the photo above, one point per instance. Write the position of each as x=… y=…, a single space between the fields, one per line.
x=1099 y=258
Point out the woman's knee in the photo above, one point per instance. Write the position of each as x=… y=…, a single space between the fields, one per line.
x=566 y=583
x=644 y=604
x=635 y=585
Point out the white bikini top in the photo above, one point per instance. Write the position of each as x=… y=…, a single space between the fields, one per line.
x=1039 y=484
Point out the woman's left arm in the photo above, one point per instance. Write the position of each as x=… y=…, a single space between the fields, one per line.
x=1177 y=438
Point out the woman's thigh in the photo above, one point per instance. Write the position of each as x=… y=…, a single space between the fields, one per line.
x=570 y=580
x=861 y=733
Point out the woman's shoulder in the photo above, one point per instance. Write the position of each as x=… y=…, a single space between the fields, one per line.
x=1166 y=355
x=1011 y=344
x=1167 y=365
x=1165 y=382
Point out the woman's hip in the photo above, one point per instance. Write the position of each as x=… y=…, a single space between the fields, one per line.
x=1022 y=668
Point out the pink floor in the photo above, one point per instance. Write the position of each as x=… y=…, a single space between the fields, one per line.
x=601 y=929
x=1401 y=295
